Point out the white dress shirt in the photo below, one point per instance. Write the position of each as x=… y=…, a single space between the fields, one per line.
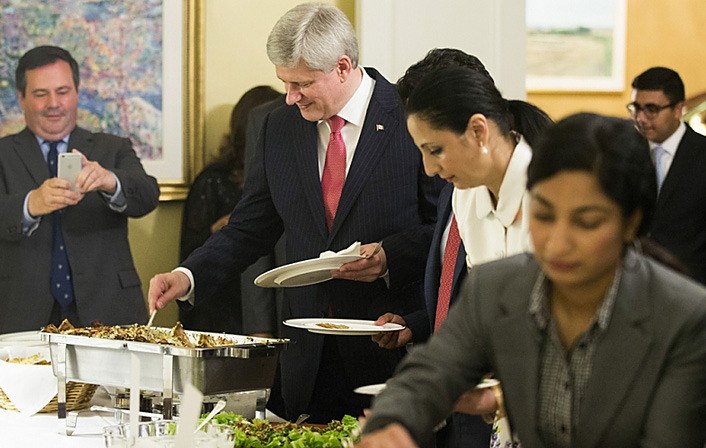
x=354 y=113
x=670 y=148
x=489 y=233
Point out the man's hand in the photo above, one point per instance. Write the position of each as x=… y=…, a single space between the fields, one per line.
x=222 y=221
x=54 y=194
x=94 y=177
x=477 y=402
x=392 y=339
x=391 y=436
x=366 y=269
x=165 y=288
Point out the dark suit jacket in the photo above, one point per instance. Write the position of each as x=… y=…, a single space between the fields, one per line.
x=386 y=193
x=647 y=385
x=421 y=322
x=106 y=284
x=679 y=222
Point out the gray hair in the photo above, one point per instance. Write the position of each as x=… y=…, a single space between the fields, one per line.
x=316 y=34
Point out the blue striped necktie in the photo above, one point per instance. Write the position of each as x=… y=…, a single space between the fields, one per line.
x=61 y=287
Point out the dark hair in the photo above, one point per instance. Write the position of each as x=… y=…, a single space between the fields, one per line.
x=39 y=57
x=610 y=148
x=231 y=153
x=661 y=78
x=435 y=59
x=448 y=97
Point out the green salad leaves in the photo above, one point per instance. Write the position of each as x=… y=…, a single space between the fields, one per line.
x=258 y=433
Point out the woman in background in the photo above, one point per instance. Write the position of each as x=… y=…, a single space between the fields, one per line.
x=595 y=343
x=211 y=199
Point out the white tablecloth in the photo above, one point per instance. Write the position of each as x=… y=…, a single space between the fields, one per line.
x=43 y=430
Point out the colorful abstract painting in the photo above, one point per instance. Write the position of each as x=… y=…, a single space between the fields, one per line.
x=118 y=46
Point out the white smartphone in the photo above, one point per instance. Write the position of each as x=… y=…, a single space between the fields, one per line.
x=69 y=168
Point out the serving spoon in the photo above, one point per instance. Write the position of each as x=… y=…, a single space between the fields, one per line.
x=149 y=322
x=216 y=409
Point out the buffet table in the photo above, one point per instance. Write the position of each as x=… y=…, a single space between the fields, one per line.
x=20 y=431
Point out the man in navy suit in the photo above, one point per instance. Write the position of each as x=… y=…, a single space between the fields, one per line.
x=679 y=154
x=385 y=196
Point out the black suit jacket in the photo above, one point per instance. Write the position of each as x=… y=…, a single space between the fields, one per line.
x=106 y=284
x=679 y=222
x=385 y=196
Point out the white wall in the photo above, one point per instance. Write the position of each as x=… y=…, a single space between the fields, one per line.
x=394 y=34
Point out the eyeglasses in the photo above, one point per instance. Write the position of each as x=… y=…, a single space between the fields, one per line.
x=650 y=110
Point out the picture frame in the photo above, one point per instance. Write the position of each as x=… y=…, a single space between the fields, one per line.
x=141 y=69
x=576 y=46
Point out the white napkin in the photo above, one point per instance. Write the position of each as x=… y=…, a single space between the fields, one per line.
x=29 y=387
x=353 y=249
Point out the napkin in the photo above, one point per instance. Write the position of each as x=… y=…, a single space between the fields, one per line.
x=353 y=249
x=29 y=387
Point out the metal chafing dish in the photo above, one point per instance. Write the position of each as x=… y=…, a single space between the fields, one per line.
x=246 y=364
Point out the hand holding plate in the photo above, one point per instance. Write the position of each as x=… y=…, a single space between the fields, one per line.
x=367 y=269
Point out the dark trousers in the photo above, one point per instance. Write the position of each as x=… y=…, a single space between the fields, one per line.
x=333 y=395
x=464 y=431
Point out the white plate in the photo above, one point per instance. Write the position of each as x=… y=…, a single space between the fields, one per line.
x=489 y=382
x=370 y=389
x=374 y=389
x=303 y=273
x=355 y=327
x=22 y=338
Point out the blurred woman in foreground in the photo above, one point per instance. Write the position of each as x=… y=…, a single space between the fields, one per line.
x=595 y=343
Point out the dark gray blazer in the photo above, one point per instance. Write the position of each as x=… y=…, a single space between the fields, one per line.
x=647 y=385
x=106 y=284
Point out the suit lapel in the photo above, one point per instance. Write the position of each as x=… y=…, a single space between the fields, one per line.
x=378 y=128
x=32 y=158
x=82 y=140
x=305 y=138
x=683 y=157
x=518 y=344
x=619 y=356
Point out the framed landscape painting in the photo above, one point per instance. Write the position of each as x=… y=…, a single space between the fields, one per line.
x=575 y=45
x=140 y=63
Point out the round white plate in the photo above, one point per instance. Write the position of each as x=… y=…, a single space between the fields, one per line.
x=370 y=389
x=22 y=338
x=355 y=327
x=303 y=273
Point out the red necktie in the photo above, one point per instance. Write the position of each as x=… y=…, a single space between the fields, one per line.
x=334 y=169
x=447 y=274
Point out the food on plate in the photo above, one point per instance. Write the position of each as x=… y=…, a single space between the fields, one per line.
x=331 y=325
x=36 y=359
x=142 y=333
x=258 y=433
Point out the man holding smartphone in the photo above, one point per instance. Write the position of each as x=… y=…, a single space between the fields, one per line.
x=64 y=246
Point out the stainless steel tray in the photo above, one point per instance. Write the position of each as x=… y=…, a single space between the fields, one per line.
x=246 y=364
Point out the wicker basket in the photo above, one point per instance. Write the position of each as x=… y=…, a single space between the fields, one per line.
x=78 y=395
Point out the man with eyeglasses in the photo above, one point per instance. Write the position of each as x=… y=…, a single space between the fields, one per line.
x=679 y=154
